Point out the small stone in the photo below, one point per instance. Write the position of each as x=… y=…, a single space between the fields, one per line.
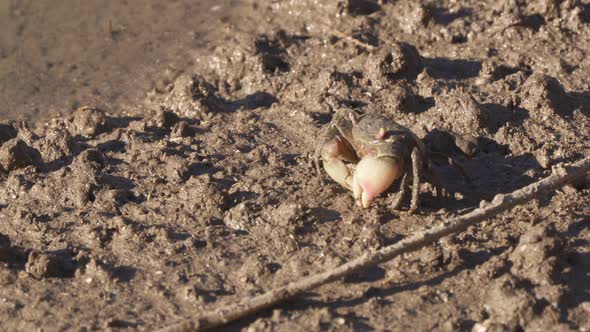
x=95 y=271
x=339 y=321
x=238 y=218
x=478 y=327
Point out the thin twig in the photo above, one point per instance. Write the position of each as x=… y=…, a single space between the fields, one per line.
x=252 y=305
x=351 y=39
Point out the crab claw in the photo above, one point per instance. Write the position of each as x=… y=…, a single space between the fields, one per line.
x=373 y=175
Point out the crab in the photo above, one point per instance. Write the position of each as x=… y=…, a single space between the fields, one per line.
x=368 y=153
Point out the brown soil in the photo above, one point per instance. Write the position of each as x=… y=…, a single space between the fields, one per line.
x=178 y=190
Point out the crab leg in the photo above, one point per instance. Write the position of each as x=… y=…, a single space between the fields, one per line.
x=416 y=167
x=403 y=189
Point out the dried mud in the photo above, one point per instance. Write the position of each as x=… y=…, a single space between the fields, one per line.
x=206 y=192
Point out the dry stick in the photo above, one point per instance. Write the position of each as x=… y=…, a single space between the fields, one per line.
x=342 y=35
x=252 y=305
x=351 y=39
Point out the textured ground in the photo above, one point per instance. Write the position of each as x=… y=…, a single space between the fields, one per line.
x=204 y=191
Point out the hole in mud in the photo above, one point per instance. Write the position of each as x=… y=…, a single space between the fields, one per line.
x=534 y=21
x=443 y=16
x=370 y=275
x=585 y=14
x=458 y=39
x=273 y=55
x=321 y=118
x=362 y=7
x=445 y=68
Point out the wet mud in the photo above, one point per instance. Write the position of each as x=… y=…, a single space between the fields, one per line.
x=206 y=191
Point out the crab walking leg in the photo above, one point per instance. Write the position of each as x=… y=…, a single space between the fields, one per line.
x=416 y=166
x=435 y=179
x=332 y=153
x=403 y=189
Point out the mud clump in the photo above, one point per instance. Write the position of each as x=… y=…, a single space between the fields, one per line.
x=88 y=121
x=531 y=294
x=177 y=169
x=508 y=304
x=42 y=265
x=203 y=191
x=190 y=97
x=543 y=96
x=460 y=112
x=537 y=256
x=271 y=51
x=15 y=154
x=399 y=99
x=391 y=62
x=181 y=129
x=450 y=143
x=56 y=144
x=165 y=119
x=412 y=15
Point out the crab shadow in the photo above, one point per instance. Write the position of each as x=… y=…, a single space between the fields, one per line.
x=500 y=115
x=471 y=260
x=250 y=102
x=443 y=16
x=488 y=175
x=451 y=69
x=583 y=98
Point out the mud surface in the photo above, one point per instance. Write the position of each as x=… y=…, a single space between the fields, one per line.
x=135 y=216
x=57 y=56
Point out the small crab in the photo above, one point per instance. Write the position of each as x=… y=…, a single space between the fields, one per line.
x=368 y=153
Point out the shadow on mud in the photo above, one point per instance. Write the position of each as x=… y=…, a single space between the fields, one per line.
x=577 y=278
x=452 y=69
x=489 y=175
x=469 y=261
